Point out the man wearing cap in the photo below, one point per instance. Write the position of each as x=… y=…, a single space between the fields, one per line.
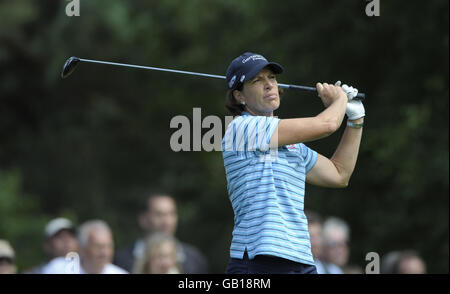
x=96 y=244
x=60 y=239
x=7 y=258
x=267 y=164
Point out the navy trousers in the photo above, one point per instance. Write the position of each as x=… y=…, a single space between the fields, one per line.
x=264 y=264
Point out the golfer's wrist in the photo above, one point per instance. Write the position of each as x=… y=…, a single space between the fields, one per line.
x=357 y=121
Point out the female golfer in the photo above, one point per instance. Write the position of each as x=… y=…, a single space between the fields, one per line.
x=267 y=165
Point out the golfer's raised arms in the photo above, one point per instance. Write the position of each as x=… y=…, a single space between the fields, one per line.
x=298 y=130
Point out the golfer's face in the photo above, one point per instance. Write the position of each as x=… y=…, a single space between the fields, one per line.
x=260 y=94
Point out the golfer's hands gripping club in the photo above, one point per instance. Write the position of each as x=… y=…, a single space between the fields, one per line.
x=348 y=90
x=329 y=93
x=355 y=108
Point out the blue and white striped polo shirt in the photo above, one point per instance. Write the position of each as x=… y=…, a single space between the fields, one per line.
x=266 y=190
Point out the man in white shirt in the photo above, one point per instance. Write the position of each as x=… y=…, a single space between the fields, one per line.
x=336 y=235
x=60 y=239
x=96 y=251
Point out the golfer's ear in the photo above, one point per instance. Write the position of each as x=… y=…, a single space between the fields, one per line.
x=238 y=96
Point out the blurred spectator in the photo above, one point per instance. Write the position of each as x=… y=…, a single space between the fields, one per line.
x=335 y=255
x=388 y=262
x=7 y=258
x=60 y=239
x=315 y=232
x=352 y=270
x=315 y=235
x=409 y=262
x=403 y=262
x=96 y=247
x=160 y=256
x=160 y=215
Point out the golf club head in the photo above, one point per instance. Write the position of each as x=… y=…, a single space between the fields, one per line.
x=69 y=66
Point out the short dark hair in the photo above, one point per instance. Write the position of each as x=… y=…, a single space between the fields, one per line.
x=7 y=259
x=145 y=202
x=231 y=103
x=154 y=196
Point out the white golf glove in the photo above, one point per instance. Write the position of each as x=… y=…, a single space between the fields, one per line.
x=355 y=108
x=349 y=91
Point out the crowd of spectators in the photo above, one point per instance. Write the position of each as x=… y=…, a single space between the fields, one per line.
x=89 y=247
x=330 y=245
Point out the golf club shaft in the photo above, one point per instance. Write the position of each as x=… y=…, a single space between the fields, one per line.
x=155 y=68
x=360 y=96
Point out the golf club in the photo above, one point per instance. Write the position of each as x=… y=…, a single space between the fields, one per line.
x=72 y=62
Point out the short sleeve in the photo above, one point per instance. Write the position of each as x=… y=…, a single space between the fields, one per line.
x=309 y=156
x=250 y=133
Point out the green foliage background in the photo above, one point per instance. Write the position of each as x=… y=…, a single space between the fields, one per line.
x=93 y=145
